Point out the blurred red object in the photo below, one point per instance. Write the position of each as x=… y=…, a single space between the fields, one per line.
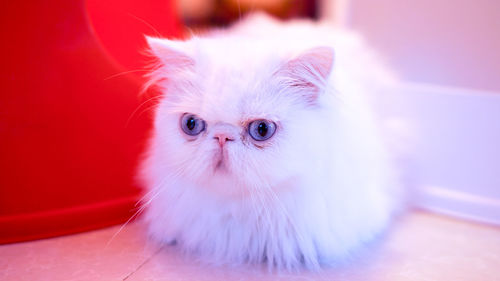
x=67 y=153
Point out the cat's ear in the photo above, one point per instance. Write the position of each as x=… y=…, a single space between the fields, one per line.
x=172 y=54
x=307 y=74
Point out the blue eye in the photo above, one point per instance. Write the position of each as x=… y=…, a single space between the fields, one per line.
x=191 y=124
x=261 y=130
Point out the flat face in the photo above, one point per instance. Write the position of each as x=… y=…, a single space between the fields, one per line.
x=235 y=91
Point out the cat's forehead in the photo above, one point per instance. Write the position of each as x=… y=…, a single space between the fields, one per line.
x=234 y=50
x=234 y=96
x=234 y=83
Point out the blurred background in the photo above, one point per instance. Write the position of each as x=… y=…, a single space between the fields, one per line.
x=72 y=126
x=442 y=42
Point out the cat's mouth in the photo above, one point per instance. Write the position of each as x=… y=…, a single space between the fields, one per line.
x=221 y=161
x=220 y=165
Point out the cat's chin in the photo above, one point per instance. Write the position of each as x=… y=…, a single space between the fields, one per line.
x=224 y=184
x=220 y=167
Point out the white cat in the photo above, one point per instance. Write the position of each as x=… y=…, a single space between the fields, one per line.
x=265 y=147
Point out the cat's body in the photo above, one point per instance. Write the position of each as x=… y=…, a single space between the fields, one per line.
x=315 y=191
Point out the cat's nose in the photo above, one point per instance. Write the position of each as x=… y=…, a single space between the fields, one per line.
x=224 y=132
x=223 y=138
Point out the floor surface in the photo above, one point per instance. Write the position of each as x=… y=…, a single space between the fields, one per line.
x=420 y=246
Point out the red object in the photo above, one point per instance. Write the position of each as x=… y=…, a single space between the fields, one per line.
x=67 y=151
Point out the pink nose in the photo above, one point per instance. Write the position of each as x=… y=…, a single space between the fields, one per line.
x=222 y=138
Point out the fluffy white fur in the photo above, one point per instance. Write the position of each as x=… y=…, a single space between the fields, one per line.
x=319 y=189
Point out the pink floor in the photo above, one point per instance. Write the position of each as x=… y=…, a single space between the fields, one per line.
x=420 y=246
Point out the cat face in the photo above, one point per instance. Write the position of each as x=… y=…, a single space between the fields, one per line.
x=231 y=122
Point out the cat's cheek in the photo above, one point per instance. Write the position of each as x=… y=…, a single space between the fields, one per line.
x=261 y=145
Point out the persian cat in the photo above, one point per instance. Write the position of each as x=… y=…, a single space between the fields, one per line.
x=265 y=147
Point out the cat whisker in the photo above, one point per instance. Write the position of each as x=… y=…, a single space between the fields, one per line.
x=138 y=107
x=158 y=186
x=122 y=227
x=146 y=23
x=125 y=73
x=157 y=190
x=140 y=209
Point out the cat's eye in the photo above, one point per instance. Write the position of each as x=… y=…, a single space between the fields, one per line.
x=191 y=124
x=261 y=130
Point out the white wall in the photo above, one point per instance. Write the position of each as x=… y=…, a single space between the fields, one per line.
x=455 y=136
x=448 y=53
x=447 y=42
